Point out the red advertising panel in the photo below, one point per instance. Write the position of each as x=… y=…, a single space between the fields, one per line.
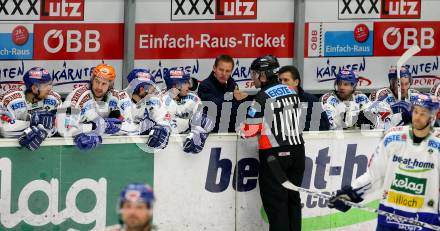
x=401 y=9
x=394 y=38
x=62 y=10
x=78 y=41
x=207 y=40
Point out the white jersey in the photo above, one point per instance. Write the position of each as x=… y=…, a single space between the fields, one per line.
x=343 y=114
x=386 y=95
x=83 y=108
x=382 y=100
x=407 y=174
x=164 y=110
x=15 y=105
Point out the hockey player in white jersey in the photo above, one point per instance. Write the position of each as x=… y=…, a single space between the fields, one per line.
x=30 y=114
x=393 y=111
x=175 y=109
x=344 y=106
x=406 y=168
x=145 y=111
x=435 y=91
x=186 y=111
x=91 y=111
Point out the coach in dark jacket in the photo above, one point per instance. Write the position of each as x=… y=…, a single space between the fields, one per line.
x=220 y=87
x=289 y=76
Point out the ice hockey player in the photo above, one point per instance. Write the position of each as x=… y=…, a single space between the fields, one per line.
x=396 y=112
x=405 y=168
x=345 y=106
x=175 y=110
x=92 y=110
x=144 y=110
x=186 y=110
x=135 y=208
x=30 y=114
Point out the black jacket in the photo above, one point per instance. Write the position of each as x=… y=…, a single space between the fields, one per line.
x=211 y=89
x=312 y=101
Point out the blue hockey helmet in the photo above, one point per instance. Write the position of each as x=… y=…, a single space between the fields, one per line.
x=176 y=77
x=136 y=192
x=36 y=75
x=425 y=100
x=347 y=75
x=404 y=73
x=139 y=78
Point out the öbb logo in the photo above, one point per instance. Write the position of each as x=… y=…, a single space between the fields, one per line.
x=395 y=37
x=71 y=41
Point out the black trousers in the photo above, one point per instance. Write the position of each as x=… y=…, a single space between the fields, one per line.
x=282 y=206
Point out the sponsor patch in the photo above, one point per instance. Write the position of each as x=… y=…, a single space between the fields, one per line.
x=413 y=202
x=409 y=184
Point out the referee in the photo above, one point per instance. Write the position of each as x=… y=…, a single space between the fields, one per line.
x=274 y=116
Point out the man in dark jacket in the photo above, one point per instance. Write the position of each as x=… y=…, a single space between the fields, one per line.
x=220 y=87
x=289 y=76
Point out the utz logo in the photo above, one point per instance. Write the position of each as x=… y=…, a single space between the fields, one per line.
x=213 y=9
x=379 y=9
x=400 y=9
x=41 y=10
x=62 y=10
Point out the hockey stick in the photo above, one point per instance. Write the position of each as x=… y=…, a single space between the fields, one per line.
x=402 y=60
x=279 y=174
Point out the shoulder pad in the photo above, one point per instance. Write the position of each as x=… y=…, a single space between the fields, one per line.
x=77 y=93
x=55 y=95
x=12 y=95
x=192 y=96
x=123 y=95
x=396 y=134
x=326 y=97
x=360 y=97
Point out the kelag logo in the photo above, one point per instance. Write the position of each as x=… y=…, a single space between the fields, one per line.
x=375 y=9
x=32 y=10
x=213 y=9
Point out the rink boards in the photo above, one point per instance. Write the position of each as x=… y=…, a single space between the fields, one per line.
x=60 y=187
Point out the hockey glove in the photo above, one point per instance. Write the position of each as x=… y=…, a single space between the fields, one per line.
x=203 y=121
x=33 y=137
x=159 y=136
x=87 y=141
x=146 y=125
x=195 y=142
x=46 y=118
x=112 y=125
x=404 y=108
x=345 y=194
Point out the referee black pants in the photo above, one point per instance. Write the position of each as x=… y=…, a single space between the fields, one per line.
x=282 y=206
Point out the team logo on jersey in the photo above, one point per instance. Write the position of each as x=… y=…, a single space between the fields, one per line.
x=413 y=165
x=413 y=202
x=409 y=184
